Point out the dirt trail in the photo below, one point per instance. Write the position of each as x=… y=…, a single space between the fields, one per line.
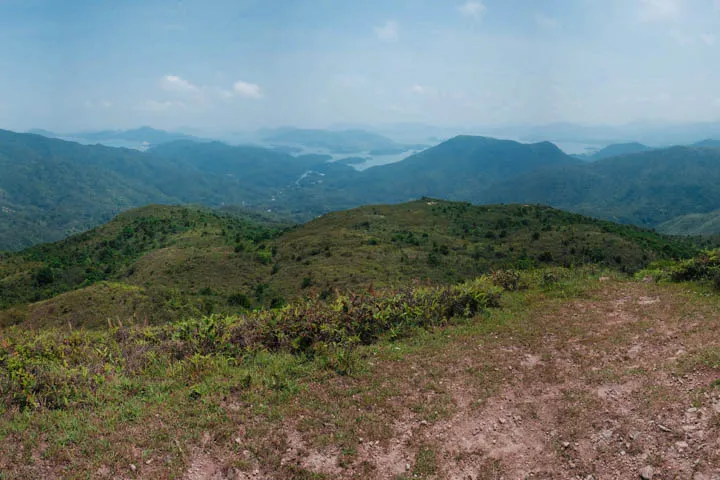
x=609 y=387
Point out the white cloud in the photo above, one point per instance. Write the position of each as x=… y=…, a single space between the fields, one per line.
x=387 y=32
x=419 y=89
x=472 y=8
x=546 y=21
x=658 y=10
x=708 y=38
x=156 y=106
x=173 y=83
x=248 y=90
x=201 y=95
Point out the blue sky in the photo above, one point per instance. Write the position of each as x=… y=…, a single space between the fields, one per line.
x=243 y=64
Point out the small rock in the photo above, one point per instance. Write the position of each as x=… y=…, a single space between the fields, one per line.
x=407 y=467
x=423 y=422
x=133 y=467
x=502 y=421
x=664 y=428
x=566 y=444
x=691 y=410
x=681 y=445
x=647 y=472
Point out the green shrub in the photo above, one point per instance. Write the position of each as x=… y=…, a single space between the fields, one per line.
x=506 y=279
x=239 y=300
x=58 y=369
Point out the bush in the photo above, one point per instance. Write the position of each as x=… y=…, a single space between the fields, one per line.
x=704 y=267
x=59 y=369
x=239 y=300
x=506 y=279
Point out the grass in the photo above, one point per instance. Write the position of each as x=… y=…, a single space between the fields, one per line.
x=81 y=401
x=69 y=389
x=189 y=262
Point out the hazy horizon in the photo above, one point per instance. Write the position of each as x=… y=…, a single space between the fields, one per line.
x=242 y=65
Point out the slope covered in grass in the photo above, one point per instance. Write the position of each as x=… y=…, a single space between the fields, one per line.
x=578 y=373
x=183 y=261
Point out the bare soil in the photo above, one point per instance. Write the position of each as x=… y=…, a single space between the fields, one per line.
x=612 y=386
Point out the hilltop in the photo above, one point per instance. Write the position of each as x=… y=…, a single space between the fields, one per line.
x=166 y=262
x=618 y=149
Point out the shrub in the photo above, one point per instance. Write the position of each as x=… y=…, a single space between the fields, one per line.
x=59 y=369
x=239 y=300
x=506 y=279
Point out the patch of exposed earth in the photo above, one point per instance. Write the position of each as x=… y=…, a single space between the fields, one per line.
x=611 y=387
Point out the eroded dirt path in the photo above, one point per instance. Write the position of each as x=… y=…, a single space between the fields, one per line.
x=617 y=385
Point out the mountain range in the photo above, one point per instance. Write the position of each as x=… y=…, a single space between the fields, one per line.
x=50 y=188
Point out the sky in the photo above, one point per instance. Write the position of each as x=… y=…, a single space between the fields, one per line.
x=229 y=65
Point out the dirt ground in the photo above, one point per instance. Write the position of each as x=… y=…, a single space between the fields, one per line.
x=619 y=384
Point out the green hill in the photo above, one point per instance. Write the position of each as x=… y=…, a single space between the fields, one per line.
x=177 y=261
x=708 y=143
x=51 y=188
x=337 y=141
x=693 y=224
x=619 y=149
x=646 y=188
x=461 y=168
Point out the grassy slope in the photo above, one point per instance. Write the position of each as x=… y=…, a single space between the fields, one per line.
x=190 y=262
x=112 y=253
x=440 y=401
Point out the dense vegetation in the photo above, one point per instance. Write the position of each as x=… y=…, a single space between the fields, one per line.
x=162 y=263
x=693 y=224
x=646 y=188
x=61 y=369
x=704 y=268
x=50 y=188
x=111 y=252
